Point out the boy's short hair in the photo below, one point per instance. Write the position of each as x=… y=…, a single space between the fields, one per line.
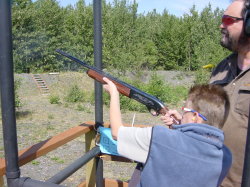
x=211 y=101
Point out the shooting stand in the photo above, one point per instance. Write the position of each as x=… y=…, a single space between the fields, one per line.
x=14 y=159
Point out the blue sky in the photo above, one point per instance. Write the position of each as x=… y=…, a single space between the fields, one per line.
x=176 y=7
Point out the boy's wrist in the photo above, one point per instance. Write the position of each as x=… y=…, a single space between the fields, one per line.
x=114 y=93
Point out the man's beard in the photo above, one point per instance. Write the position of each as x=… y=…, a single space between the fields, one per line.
x=232 y=43
x=227 y=41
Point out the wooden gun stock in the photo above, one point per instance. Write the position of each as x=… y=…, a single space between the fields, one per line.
x=99 y=77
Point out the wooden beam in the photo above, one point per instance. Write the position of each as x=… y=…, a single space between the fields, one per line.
x=108 y=183
x=115 y=158
x=48 y=145
x=91 y=165
x=1 y=181
x=2 y=166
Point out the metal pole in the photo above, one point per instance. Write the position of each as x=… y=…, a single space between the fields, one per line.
x=65 y=173
x=28 y=182
x=99 y=172
x=97 y=10
x=246 y=170
x=7 y=92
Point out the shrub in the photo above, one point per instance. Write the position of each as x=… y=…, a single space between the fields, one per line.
x=54 y=99
x=17 y=85
x=51 y=116
x=170 y=95
x=75 y=95
x=202 y=76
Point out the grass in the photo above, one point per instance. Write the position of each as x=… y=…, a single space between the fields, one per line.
x=57 y=160
x=1 y=151
x=34 y=162
x=79 y=93
x=51 y=116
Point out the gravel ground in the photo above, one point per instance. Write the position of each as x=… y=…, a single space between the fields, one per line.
x=38 y=120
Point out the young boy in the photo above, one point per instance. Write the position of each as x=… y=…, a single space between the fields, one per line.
x=191 y=154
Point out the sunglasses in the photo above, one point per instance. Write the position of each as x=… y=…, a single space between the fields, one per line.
x=191 y=110
x=229 y=20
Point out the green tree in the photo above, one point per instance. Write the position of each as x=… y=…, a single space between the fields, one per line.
x=48 y=18
x=22 y=29
x=169 y=43
x=131 y=41
x=37 y=29
x=118 y=32
x=78 y=32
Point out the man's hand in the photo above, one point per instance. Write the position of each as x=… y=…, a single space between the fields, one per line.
x=168 y=118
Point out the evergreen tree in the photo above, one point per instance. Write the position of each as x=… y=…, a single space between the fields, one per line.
x=131 y=41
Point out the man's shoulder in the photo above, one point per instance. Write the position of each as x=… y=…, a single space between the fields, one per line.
x=223 y=69
x=225 y=64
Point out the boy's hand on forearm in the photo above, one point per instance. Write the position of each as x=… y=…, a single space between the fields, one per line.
x=168 y=117
x=110 y=87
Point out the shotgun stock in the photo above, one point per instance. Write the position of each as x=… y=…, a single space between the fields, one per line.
x=154 y=105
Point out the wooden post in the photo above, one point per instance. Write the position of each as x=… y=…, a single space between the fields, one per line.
x=1 y=181
x=91 y=165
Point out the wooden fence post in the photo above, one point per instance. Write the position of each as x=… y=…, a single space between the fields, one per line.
x=91 y=165
x=1 y=181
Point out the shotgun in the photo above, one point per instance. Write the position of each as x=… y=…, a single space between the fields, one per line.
x=154 y=105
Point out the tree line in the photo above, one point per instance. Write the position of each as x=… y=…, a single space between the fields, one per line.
x=131 y=41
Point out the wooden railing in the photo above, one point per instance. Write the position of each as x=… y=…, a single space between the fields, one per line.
x=35 y=151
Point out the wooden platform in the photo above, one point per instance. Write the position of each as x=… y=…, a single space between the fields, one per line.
x=44 y=147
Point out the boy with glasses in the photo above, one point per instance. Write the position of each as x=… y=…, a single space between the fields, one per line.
x=191 y=154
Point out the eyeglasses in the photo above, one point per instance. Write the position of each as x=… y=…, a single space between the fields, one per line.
x=229 y=20
x=191 y=110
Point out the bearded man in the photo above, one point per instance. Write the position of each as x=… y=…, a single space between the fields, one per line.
x=233 y=73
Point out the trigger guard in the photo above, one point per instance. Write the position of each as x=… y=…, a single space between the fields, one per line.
x=153 y=112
